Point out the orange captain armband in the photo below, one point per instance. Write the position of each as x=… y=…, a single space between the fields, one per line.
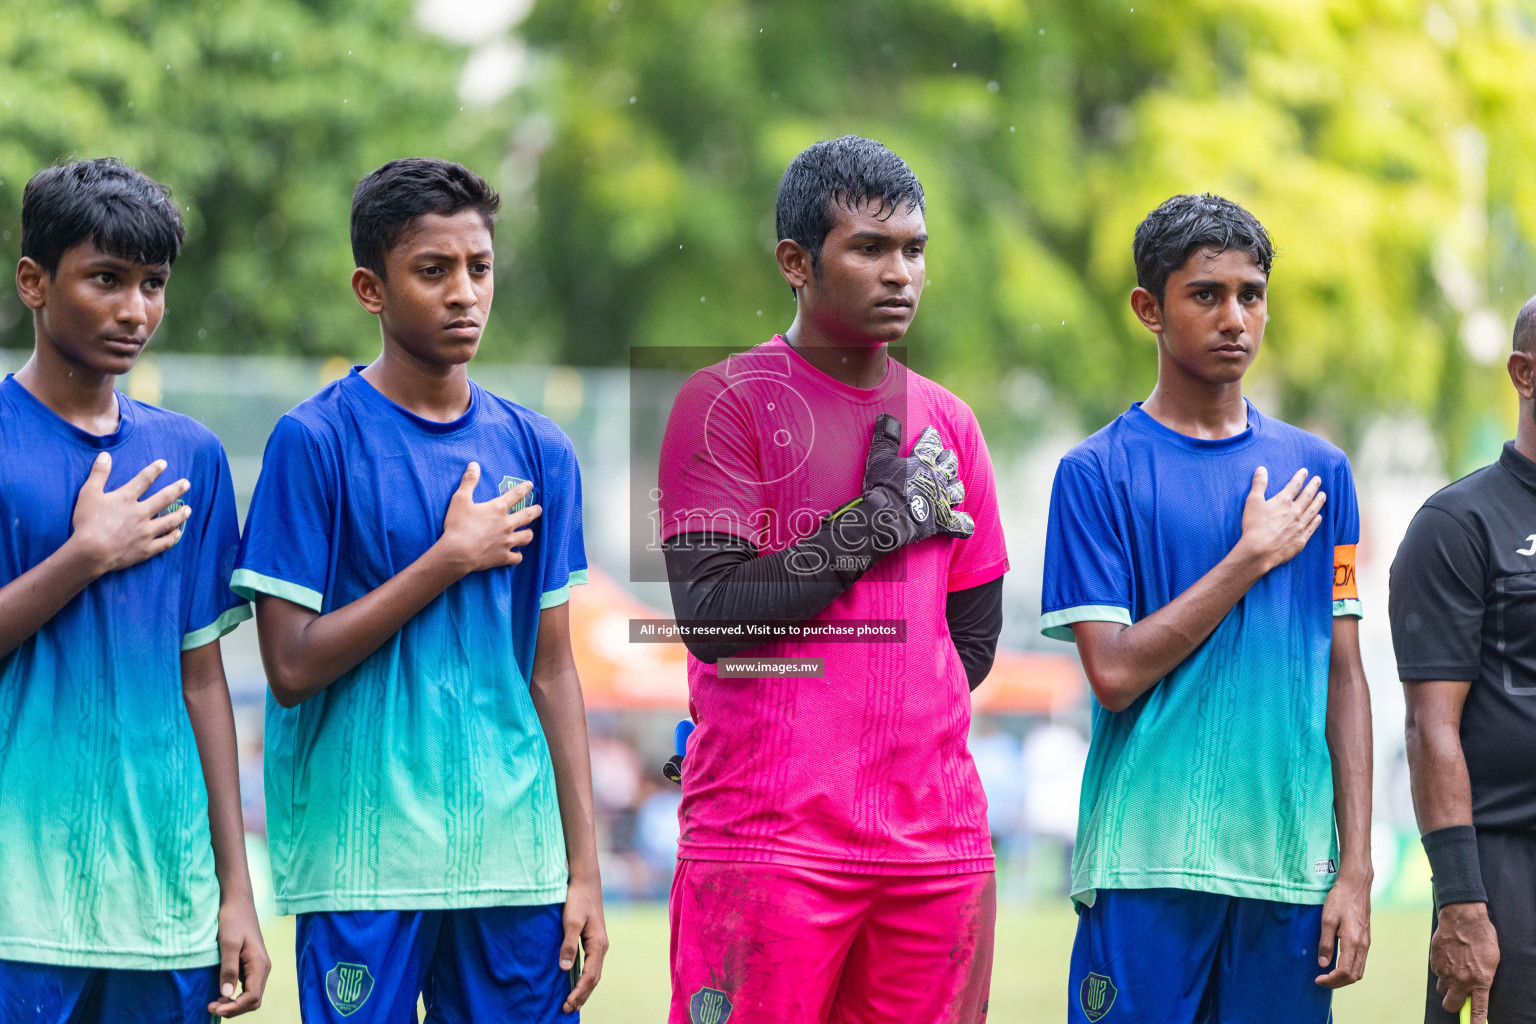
x=1344 y=587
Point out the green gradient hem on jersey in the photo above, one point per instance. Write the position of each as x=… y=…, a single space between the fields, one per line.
x=57 y=955
x=220 y=626
x=552 y=598
x=1349 y=606
x=248 y=584
x=1242 y=888
x=1056 y=625
x=346 y=902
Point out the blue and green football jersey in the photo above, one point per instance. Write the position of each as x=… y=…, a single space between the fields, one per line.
x=105 y=855
x=419 y=780
x=1217 y=779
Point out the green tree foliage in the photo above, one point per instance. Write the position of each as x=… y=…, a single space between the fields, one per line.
x=261 y=115
x=1384 y=143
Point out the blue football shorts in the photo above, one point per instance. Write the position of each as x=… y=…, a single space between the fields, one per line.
x=1173 y=956
x=47 y=994
x=477 y=965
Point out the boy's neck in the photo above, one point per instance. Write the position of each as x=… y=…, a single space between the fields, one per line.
x=858 y=366
x=433 y=391
x=1197 y=408
x=80 y=396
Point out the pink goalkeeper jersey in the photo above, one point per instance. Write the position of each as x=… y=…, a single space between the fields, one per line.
x=867 y=768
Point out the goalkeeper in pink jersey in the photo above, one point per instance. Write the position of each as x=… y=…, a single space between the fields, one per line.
x=834 y=861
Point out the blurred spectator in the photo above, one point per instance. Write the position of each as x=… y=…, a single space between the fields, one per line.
x=656 y=832
x=999 y=758
x=615 y=773
x=253 y=801
x=1054 y=758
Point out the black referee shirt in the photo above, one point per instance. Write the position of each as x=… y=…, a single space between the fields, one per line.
x=1463 y=607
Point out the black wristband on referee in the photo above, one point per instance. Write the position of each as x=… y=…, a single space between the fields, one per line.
x=1453 y=863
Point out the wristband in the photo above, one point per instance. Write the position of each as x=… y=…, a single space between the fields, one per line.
x=1454 y=867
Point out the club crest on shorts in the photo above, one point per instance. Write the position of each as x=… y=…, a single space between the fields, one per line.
x=919 y=506
x=709 y=1006
x=1096 y=995
x=347 y=986
x=509 y=482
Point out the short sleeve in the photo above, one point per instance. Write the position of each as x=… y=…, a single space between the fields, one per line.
x=286 y=550
x=1436 y=599
x=983 y=556
x=565 y=557
x=1345 y=508
x=1087 y=566
x=709 y=477
x=209 y=608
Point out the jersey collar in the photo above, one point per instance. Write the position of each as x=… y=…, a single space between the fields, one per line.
x=1518 y=466
x=1142 y=420
x=376 y=398
x=84 y=438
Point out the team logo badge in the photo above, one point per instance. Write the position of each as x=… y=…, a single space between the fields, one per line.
x=172 y=507
x=1096 y=995
x=709 y=1006
x=509 y=482
x=347 y=986
x=919 y=507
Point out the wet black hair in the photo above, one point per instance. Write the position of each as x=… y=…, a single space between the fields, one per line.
x=847 y=171
x=120 y=210
x=386 y=202
x=1184 y=224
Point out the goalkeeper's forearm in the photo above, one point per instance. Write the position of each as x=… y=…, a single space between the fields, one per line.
x=717 y=577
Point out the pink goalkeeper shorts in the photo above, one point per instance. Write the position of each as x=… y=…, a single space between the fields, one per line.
x=772 y=944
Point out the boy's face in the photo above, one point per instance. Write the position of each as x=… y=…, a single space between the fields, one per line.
x=437 y=295
x=1211 y=319
x=98 y=311
x=871 y=275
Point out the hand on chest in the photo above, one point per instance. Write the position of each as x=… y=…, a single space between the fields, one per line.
x=398 y=505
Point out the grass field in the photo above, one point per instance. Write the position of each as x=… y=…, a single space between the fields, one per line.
x=1028 y=978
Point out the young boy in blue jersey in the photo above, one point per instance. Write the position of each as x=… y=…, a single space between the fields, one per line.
x=1202 y=557
x=411 y=546
x=125 y=894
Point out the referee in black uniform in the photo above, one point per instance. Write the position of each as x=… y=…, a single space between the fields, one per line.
x=1463 y=611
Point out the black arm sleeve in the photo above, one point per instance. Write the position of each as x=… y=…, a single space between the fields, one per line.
x=716 y=577
x=975 y=618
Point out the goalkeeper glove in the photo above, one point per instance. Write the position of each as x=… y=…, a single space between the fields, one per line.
x=912 y=498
